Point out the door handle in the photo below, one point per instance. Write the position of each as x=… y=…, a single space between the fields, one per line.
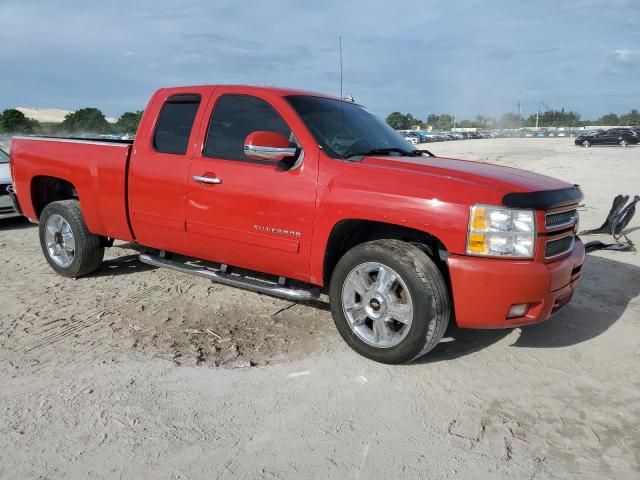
x=210 y=180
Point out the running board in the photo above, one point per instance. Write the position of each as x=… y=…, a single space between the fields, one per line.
x=260 y=286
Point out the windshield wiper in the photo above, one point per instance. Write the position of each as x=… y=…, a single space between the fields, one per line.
x=386 y=151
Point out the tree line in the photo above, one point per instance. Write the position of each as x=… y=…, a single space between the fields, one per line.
x=549 y=118
x=92 y=120
x=85 y=120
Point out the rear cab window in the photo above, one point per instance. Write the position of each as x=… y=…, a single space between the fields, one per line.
x=175 y=124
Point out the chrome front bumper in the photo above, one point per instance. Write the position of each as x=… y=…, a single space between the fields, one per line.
x=9 y=204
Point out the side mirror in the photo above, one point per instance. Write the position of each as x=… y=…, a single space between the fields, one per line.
x=270 y=146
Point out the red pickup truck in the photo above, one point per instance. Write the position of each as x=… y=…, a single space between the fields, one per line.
x=287 y=192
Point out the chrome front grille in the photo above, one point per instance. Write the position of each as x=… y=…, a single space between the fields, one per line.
x=556 y=220
x=558 y=246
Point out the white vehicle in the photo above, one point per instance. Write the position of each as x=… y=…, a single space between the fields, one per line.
x=413 y=140
x=7 y=209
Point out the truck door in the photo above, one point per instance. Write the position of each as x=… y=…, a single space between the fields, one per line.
x=159 y=169
x=245 y=212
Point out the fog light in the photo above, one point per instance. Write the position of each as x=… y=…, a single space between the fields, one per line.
x=518 y=310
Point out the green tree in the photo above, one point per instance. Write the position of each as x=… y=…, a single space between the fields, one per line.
x=631 y=118
x=403 y=121
x=609 y=119
x=440 y=122
x=465 y=124
x=398 y=121
x=555 y=118
x=484 y=122
x=128 y=122
x=510 y=120
x=414 y=122
x=14 y=121
x=85 y=120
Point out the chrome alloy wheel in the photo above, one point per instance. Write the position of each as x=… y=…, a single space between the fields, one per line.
x=377 y=305
x=61 y=244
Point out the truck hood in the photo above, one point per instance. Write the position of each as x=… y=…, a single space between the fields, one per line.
x=496 y=177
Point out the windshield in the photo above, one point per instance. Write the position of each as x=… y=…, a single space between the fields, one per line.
x=4 y=156
x=344 y=129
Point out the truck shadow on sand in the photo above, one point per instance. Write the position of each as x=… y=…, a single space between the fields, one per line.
x=123 y=265
x=17 y=223
x=602 y=297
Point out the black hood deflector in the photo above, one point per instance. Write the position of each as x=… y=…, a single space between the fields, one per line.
x=545 y=199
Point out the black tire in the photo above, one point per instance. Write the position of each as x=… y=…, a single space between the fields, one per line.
x=426 y=284
x=586 y=144
x=89 y=248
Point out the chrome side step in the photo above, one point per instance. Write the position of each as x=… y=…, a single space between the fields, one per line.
x=222 y=276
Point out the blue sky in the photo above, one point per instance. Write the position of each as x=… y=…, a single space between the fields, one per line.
x=463 y=57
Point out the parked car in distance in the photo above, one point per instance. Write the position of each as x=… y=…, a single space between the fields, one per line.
x=309 y=192
x=7 y=207
x=615 y=136
x=422 y=135
x=412 y=139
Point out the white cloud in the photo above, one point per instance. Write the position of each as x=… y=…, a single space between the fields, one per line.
x=466 y=57
x=626 y=55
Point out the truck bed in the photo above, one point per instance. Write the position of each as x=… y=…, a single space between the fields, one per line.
x=96 y=168
x=81 y=139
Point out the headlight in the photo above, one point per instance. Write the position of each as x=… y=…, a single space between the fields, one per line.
x=501 y=232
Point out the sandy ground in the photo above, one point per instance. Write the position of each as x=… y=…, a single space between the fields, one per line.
x=137 y=372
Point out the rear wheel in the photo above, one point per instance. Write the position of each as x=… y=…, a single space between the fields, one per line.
x=67 y=244
x=389 y=301
x=623 y=143
x=586 y=143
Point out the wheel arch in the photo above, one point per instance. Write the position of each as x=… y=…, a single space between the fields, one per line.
x=46 y=189
x=348 y=233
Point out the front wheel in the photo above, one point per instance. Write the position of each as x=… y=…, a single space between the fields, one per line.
x=624 y=143
x=67 y=244
x=586 y=144
x=389 y=301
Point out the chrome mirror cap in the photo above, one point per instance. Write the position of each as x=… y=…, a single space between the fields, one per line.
x=269 y=153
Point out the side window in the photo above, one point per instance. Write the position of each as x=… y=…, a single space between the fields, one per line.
x=235 y=117
x=175 y=123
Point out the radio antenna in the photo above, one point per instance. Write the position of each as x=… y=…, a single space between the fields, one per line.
x=341 y=97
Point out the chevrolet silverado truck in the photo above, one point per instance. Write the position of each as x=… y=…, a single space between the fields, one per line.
x=293 y=194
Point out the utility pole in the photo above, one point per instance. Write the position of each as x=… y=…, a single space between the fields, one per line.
x=540 y=102
x=454 y=121
x=519 y=105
